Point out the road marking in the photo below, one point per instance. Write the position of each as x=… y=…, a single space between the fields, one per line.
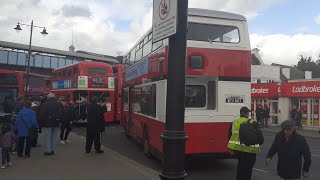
x=315 y=155
x=260 y=170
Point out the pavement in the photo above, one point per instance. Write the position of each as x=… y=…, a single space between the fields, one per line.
x=311 y=133
x=70 y=162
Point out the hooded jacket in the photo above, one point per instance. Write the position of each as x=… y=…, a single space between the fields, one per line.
x=26 y=119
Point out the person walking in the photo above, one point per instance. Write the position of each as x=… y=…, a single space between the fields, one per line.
x=246 y=154
x=51 y=114
x=69 y=115
x=26 y=124
x=298 y=118
x=95 y=126
x=6 y=142
x=290 y=147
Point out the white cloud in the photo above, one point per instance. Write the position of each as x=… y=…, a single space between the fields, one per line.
x=284 y=49
x=249 y=8
x=317 y=19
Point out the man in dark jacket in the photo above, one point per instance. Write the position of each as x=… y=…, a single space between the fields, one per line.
x=95 y=126
x=290 y=147
x=259 y=115
x=69 y=115
x=51 y=114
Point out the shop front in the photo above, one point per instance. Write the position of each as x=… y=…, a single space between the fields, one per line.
x=266 y=95
x=303 y=95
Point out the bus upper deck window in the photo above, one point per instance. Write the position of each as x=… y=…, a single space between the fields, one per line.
x=196 y=62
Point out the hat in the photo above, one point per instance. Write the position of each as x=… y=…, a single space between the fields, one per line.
x=51 y=95
x=244 y=110
x=33 y=104
x=287 y=124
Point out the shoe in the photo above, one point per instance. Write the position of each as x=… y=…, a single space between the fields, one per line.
x=67 y=141
x=47 y=153
x=27 y=156
x=62 y=142
x=52 y=152
x=14 y=153
x=9 y=164
x=88 y=152
x=3 y=167
x=99 y=151
x=20 y=156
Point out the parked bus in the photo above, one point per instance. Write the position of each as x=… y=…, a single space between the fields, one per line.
x=217 y=83
x=13 y=83
x=117 y=72
x=79 y=82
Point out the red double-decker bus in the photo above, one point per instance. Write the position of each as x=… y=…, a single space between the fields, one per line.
x=13 y=83
x=79 y=82
x=117 y=72
x=217 y=83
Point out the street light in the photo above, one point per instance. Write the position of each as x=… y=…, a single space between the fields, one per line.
x=44 y=33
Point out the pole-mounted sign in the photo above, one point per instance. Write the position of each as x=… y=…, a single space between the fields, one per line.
x=164 y=22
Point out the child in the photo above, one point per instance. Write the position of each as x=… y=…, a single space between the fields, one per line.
x=6 y=144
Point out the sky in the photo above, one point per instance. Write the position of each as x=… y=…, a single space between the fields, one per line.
x=281 y=29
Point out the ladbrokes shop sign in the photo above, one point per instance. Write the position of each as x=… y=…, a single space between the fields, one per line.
x=301 y=89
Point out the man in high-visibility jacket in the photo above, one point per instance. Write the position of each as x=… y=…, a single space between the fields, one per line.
x=246 y=154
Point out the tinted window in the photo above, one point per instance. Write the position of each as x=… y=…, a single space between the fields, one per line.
x=147 y=48
x=62 y=62
x=156 y=45
x=54 y=62
x=34 y=80
x=3 y=57
x=12 y=58
x=138 y=55
x=97 y=71
x=68 y=62
x=46 y=62
x=213 y=33
x=195 y=96
x=38 y=61
x=22 y=59
x=8 y=79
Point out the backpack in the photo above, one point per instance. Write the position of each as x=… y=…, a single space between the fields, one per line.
x=57 y=116
x=249 y=134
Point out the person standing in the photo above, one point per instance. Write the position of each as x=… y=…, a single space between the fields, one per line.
x=293 y=113
x=69 y=115
x=51 y=114
x=266 y=116
x=95 y=126
x=26 y=124
x=246 y=154
x=6 y=142
x=290 y=147
x=259 y=115
x=298 y=119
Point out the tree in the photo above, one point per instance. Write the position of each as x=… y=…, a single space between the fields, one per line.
x=306 y=63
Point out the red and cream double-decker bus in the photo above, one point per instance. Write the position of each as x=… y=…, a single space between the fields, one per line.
x=217 y=83
x=13 y=83
x=79 y=82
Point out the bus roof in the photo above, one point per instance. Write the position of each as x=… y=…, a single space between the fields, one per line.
x=82 y=63
x=215 y=14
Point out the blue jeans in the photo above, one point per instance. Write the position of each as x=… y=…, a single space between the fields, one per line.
x=50 y=138
x=5 y=155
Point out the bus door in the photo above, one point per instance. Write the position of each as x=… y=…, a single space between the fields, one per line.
x=81 y=101
x=125 y=108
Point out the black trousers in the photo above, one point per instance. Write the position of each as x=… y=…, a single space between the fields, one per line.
x=34 y=140
x=27 y=149
x=64 y=131
x=93 y=138
x=246 y=162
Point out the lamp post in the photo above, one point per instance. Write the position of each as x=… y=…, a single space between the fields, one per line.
x=44 y=33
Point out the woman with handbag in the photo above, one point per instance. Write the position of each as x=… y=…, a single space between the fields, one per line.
x=27 y=126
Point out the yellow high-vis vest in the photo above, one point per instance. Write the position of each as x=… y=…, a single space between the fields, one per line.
x=234 y=142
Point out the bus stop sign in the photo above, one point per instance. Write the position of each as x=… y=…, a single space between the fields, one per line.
x=164 y=19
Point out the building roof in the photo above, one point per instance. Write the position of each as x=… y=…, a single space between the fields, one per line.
x=17 y=46
x=295 y=73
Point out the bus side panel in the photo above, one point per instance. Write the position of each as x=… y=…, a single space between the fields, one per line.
x=207 y=137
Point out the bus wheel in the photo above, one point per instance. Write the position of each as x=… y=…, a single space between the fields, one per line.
x=146 y=145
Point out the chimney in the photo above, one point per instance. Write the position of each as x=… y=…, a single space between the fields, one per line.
x=286 y=72
x=71 y=48
x=308 y=75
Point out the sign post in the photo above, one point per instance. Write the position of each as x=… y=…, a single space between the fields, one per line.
x=173 y=16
